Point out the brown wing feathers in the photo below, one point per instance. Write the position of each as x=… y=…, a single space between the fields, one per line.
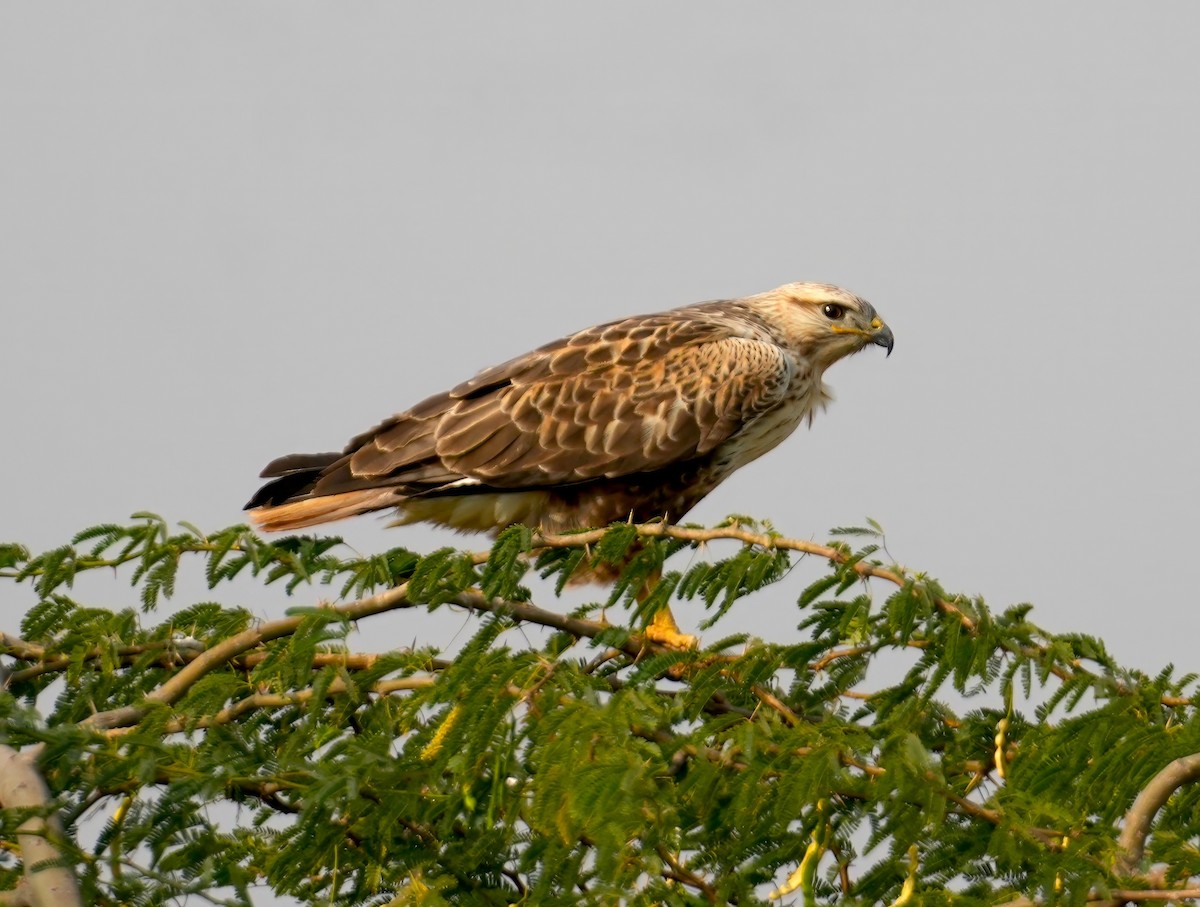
x=617 y=400
x=292 y=474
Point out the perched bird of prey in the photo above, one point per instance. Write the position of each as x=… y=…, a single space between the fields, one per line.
x=635 y=419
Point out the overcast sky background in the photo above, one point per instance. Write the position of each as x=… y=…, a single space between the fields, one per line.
x=232 y=231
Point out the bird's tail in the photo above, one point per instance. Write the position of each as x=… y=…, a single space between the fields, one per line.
x=298 y=514
x=286 y=502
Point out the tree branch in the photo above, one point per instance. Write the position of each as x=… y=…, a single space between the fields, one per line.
x=1153 y=797
x=50 y=881
x=790 y=718
x=278 y=700
x=759 y=539
x=1123 y=895
x=174 y=688
x=175 y=653
x=676 y=872
x=833 y=555
x=1156 y=894
x=226 y=650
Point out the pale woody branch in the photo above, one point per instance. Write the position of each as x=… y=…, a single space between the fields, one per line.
x=172 y=690
x=280 y=700
x=1123 y=896
x=176 y=653
x=1153 y=797
x=46 y=882
x=1157 y=894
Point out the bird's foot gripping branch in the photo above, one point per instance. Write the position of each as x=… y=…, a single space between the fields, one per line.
x=888 y=743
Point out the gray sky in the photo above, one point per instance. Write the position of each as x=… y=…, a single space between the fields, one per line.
x=231 y=231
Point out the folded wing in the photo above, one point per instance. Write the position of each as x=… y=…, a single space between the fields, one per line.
x=623 y=399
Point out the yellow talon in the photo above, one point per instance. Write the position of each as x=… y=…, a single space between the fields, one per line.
x=664 y=631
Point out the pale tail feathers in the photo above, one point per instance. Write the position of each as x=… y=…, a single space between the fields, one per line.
x=466 y=513
x=325 y=509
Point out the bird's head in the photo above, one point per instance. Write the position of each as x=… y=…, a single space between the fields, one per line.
x=825 y=322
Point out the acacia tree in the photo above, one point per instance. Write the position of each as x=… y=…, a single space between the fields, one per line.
x=587 y=764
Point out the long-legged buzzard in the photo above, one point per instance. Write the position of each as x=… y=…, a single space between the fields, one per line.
x=635 y=419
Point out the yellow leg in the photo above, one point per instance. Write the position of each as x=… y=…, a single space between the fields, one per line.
x=662 y=628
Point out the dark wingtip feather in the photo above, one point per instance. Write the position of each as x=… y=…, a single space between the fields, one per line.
x=292 y=475
x=297 y=462
x=282 y=489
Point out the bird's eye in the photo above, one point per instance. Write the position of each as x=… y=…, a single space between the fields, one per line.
x=833 y=311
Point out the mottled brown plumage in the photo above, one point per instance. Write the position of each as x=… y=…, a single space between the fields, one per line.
x=638 y=418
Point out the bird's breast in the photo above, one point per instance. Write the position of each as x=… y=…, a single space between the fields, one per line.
x=805 y=396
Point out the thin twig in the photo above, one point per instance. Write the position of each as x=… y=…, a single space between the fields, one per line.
x=679 y=873
x=790 y=718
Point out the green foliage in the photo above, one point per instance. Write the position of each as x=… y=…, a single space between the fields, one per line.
x=909 y=740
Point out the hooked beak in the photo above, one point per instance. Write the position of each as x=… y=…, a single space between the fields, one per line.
x=883 y=337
